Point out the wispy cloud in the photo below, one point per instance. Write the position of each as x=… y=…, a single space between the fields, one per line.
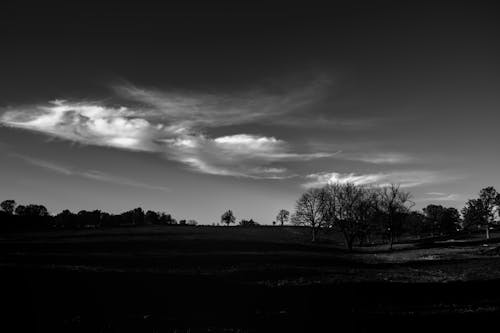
x=435 y=193
x=379 y=158
x=173 y=123
x=89 y=174
x=403 y=178
x=101 y=176
x=439 y=196
x=366 y=151
x=323 y=122
x=202 y=110
x=46 y=164
x=241 y=155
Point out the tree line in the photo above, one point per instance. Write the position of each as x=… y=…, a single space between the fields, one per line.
x=228 y=218
x=362 y=212
x=36 y=217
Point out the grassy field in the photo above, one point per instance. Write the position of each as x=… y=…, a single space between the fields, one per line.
x=247 y=279
x=270 y=255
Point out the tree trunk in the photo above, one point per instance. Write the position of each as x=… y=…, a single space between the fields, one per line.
x=487 y=231
x=349 y=242
x=314 y=234
x=391 y=231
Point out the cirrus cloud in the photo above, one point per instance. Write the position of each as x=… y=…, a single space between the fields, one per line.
x=439 y=196
x=408 y=178
x=241 y=155
x=172 y=124
x=89 y=174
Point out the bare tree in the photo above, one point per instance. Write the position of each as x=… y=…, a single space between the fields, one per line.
x=283 y=216
x=349 y=208
x=364 y=203
x=393 y=202
x=308 y=211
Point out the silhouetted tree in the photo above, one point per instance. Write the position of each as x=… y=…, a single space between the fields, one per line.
x=66 y=219
x=481 y=212
x=441 y=219
x=133 y=217
x=7 y=219
x=490 y=199
x=31 y=211
x=192 y=222
x=138 y=216
x=31 y=217
x=8 y=206
x=20 y=210
x=366 y=212
x=89 y=218
x=451 y=221
x=248 y=223
x=308 y=211
x=167 y=219
x=228 y=218
x=416 y=224
x=36 y=217
x=106 y=219
x=152 y=217
x=283 y=216
x=349 y=208
x=474 y=214
x=433 y=214
x=394 y=203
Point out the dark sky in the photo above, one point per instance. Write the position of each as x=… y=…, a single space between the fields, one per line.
x=195 y=107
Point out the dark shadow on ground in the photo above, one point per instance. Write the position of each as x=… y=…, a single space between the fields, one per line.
x=56 y=301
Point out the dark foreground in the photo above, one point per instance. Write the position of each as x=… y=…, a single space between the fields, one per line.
x=48 y=301
x=205 y=280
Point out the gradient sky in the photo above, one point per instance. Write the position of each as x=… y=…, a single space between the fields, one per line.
x=195 y=107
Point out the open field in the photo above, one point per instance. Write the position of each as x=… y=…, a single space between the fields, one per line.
x=249 y=279
x=264 y=255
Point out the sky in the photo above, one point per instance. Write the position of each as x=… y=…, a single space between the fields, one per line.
x=197 y=107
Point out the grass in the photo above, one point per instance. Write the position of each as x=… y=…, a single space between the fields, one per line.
x=256 y=255
x=247 y=279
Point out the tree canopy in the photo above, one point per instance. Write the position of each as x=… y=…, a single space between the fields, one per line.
x=483 y=211
x=228 y=217
x=283 y=216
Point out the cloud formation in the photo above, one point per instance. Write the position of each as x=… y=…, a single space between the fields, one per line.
x=439 y=196
x=89 y=174
x=403 y=178
x=88 y=123
x=204 y=110
x=380 y=158
x=242 y=155
x=173 y=124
